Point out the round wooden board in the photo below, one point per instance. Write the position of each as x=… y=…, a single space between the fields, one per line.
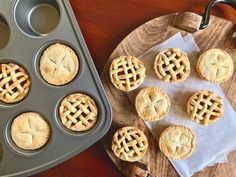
x=220 y=34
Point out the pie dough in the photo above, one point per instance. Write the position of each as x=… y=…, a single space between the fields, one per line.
x=129 y=144
x=59 y=64
x=152 y=104
x=215 y=65
x=172 y=65
x=177 y=142
x=127 y=73
x=78 y=112
x=204 y=107
x=30 y=131
x=14 y=83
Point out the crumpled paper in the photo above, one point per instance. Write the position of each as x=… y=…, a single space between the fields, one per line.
x=213 y=142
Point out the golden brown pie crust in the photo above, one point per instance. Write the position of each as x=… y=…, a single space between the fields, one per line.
x=177 y=142
x=152 y=104
x=215 y=65
x=78 y=112
x=14 y=83
x=30 y=131
x=172 y=65
x=127 y=73
x=59 y=64
x=129 y=144
x=204 y=107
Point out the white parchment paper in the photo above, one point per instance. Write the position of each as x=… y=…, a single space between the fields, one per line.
x=214 y=142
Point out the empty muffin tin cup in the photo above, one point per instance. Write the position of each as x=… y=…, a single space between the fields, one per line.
x=4 y=32
x=38 y=17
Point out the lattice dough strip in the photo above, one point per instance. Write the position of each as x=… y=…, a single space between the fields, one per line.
x=172 y=63
x=16 y=84
x=205 y=112
x=125 y=73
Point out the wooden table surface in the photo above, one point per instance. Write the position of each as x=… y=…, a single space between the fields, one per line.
x=104 y=23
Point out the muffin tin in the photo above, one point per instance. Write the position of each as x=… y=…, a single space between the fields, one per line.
x=27 y=28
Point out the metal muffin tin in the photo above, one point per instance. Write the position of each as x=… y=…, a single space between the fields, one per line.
x=29 y=37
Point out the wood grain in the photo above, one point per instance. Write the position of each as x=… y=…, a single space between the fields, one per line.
x=104 y=23
x=220 y=34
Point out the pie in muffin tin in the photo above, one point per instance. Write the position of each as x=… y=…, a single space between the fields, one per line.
x=14 y=83
x=58 y=65
x=50 y=93
x=38 y=71
x=78 y=112
x=30 y=131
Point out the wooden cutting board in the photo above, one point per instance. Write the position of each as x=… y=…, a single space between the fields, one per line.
x=220 y=34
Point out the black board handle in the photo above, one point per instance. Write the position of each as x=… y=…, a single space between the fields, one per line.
x=207 y=14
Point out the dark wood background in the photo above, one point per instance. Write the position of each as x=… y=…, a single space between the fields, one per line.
x=104 y=23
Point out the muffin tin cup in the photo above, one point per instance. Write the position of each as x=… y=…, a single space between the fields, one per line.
x=67 y=131
x=37 y=18
x=26 y=45
x=14 y=147
x=39 y=53
x=4 y=105
x=4 y=32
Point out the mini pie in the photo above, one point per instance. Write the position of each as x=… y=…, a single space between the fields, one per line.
x=127 y=73
x=78 y=112
x=215 y=65
x=152 y=104
x=14 y=83
x=172 y=65
x=59 y=64
x=204 y=107
x=30 y=131
x=129 y=144
x=177 y=142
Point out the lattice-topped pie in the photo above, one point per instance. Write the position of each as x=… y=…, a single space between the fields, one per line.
x=14 y=83
x=177 y=142
x=59 y=64
x=78 y=112
x=129 y=144
x=172 y=65
x=152 y=104
x=30 y=131
x=204 y=107
x=215 y=65
x=127 y=73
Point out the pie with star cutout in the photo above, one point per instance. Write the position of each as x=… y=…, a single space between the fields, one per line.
x=59 y=64
x=30 y=131
x=152 y=104
x=177 y=142
x=215 y=65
